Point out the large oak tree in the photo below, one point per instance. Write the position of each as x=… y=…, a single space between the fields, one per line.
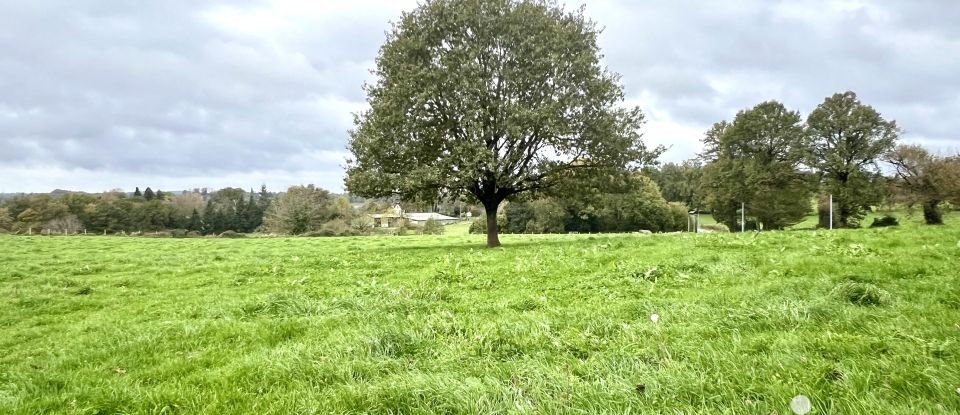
x=849 y=137
x=757 y=160
x=490 y=98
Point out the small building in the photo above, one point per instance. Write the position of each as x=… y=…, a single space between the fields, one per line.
x=421 y=218
x=386 y=220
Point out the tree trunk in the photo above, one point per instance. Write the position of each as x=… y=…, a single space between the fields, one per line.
x=931 y=212
x=493 y=233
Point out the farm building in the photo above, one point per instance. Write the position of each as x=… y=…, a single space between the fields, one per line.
x=394 y=220
x=421 y=218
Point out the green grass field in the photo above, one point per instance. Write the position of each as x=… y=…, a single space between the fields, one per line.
x=862 y=322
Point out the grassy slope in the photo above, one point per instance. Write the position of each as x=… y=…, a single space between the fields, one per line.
x=549 y=324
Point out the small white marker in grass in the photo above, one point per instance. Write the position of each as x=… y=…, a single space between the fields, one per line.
x=654 y=317
x=800 y=404
x=958 y=391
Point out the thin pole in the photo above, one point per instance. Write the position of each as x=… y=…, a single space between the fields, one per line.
x=743 y=217
x=831 y=211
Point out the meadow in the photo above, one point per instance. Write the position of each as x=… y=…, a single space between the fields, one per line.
x=861 y=321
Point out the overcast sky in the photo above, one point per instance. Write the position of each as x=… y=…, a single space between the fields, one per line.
x=176 y=94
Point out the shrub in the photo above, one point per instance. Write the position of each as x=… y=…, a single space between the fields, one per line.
x=678 y=217
x=715 y=227
x=337 y=227
x=432 y=227
x=362 y=224
x=193 y=234
x=885 y=221
x=232 y=234
x=861 y=293
x=178 y=233
x=479 y=226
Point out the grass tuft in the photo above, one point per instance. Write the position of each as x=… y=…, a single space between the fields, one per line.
x=861 y=293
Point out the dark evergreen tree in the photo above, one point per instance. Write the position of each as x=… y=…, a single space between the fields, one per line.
x=194 y=223
x=148 y=194
x=136 y=193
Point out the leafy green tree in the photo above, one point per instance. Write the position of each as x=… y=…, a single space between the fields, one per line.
x=29 y=219
x=343 y=209
x=641 y=208
x=6 y=219
x=300 y=210
x=849 y=138
x=211 y=220
x=194 y=223
x=756 y=160
x=492 y=99
x=679 y=182
x=549 y=216
x=518 y=214
x=927 y=179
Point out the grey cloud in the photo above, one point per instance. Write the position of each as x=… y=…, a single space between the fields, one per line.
x=107 y=91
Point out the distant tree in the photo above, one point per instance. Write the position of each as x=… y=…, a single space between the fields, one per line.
x=136 y=193
x=549 y=216
x=194 y=223
x=679 y=182
x=518 y=215
x=640 y=208
x=363 y=224
x=926 y=179
x=756 y=160
x=493 y=99
x=342 y=208
x=6 y=219
x=66 y=224
x=849 y=138
x=184 y=206
x=148 y=194
x=300 y=210
x=210 y=223
x=160 y=195
x=29 y=218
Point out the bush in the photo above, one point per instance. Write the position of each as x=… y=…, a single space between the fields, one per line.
x=232 y=234
x=178 y=233
x=860 y=293
x=193 y=234
x=362 y=224
x=432 y=227
x=479 y=226
x=679 y=217
x=716 y=227
x=885 y=221
x=337 y=227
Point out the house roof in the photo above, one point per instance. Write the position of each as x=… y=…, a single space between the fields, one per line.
x=423 y=217
x=384 y=215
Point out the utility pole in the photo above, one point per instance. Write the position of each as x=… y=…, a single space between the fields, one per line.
x=743 y=217
x=831 y=211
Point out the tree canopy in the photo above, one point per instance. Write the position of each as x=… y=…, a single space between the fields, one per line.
x=490 y=98
x=849 y=138
x=926 y=178
x=756 y=161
